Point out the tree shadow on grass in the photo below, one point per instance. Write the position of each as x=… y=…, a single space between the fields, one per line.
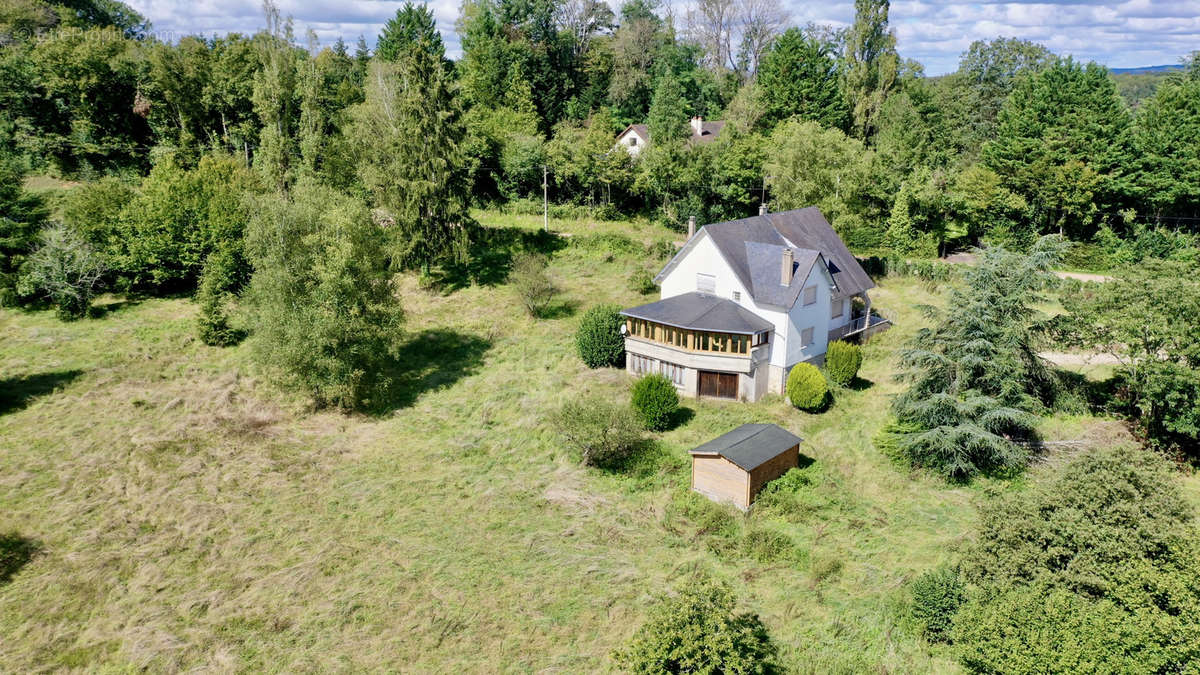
x=860 y=384
x=680 y=417
x=490 y=257
x=431 y=360
x=16 y=393
x=559 y=309
x=103 y=309
x=15 y=552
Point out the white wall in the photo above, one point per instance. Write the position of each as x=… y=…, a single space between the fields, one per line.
x=704 y=258
x=627 y=142
x=785 y=341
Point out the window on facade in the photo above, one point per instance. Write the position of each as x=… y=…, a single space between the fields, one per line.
x=839 y=307
x=806 y=338
x=706 y=283
x=810 y=295
x=760 y=338
x=632 y=141
x=737 y=296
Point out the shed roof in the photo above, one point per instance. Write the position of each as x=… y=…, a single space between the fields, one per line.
x=750 y=445
x=753 y=246
x=701 y=311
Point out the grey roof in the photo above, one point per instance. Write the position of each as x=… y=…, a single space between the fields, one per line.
x=753 y=248
x=701 y=311
x=750 y=445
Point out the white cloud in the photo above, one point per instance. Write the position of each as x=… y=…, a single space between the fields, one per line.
x=934 y=32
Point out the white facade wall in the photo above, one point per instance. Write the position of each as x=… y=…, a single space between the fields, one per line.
x=786 y=349
x=632 y=143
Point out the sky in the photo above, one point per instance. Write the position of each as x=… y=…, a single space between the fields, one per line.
x=935 y=32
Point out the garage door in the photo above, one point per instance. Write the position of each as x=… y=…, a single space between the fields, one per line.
x=718 y=385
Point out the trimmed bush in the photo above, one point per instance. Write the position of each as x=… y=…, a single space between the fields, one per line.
x=655 y=401
x=599 y=338
x=937 y=595
x=605 y=434
x=842 y=362
x=806 y=387
x=698 y=631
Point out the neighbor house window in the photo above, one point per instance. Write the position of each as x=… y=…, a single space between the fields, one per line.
x=839 y=308
x=806 y=338
x=632 y=141
x=810 y=295
x=706 y=283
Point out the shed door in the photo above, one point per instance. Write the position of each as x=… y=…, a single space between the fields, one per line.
x=718 y=385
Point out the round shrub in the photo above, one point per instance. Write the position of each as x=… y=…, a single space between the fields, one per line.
x=806 y=387
x=655 y=400
x=937 y=595
x=599 y=338
x=700 y=631
x=842 y=361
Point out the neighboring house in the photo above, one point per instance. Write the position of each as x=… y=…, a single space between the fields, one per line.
x=637 y=136
x=734 y=468
x=744 y=301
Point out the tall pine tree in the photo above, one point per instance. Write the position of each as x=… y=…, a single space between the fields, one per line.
x=409 y=135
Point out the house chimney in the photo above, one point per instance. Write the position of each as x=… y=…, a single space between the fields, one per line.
x=762 y=209
x=697 y=125
x=785 y=277
x=691 y=227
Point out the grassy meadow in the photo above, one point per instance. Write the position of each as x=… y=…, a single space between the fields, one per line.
x=164 y=506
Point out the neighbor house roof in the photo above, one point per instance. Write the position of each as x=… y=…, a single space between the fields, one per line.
x=709 y=131
x=750 y=445
x=701 y=311
x=753 y=248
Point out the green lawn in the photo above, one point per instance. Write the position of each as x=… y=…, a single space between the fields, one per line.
x=185 y=513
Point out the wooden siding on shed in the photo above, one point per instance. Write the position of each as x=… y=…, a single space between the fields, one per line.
x=773 y=469
x=720 y=479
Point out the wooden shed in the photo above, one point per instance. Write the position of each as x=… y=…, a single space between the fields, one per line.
x=734 y=467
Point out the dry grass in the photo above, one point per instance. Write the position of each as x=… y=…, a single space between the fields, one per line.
x=190 y=516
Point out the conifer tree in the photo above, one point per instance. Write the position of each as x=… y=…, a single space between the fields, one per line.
x=409 y=134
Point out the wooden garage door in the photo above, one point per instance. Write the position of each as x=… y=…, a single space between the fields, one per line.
x=718 y=385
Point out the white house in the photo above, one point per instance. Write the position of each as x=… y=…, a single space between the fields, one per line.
x=744 y=301
x=635 y=137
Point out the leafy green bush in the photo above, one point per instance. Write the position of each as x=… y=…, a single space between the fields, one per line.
x=605 y=434
x=806 y=387
x=1094 y=568
x=937 y=595
x=531 y=282
x=656 y=401
x=65 y=270
x=698 y=631
x=642 y=282
x=842 y=361
x=599 y=339
x=321 y=303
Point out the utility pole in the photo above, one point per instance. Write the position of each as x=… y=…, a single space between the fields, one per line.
x=545 y=200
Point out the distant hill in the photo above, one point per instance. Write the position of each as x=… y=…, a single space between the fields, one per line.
x=1145 y=70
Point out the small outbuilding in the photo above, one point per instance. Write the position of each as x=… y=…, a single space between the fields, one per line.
x=734 y=467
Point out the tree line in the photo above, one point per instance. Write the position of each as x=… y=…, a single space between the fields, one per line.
x=182 y=147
